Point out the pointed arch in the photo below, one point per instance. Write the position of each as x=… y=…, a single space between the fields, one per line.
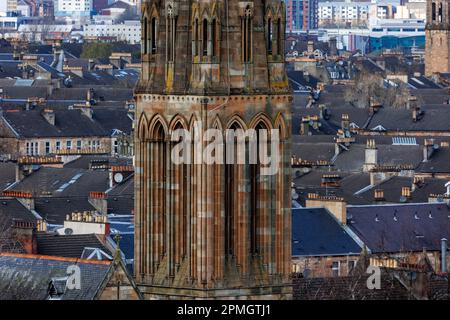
x=177 y=122
x=142 y=127
x=217 y=124
x=215 y=11
x=158 y=128
x=192 y=122
x=281 y=125
x=206 y=13
x=238 y=121
x=261 y=117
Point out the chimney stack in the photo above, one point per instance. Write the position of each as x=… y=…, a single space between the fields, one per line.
x=371 y=155
x=25 y=233
x=428 y=149
x=336 y=205
x=406 y=192
x=99 y=200
x=379 y=195
x=333 y=46
x=87 y=222
x=304 y=126
x=417 y=182
x=416 y=114
x=310 y=47
x=411 y=103
x=345 y=123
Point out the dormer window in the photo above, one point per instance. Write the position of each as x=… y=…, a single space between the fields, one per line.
x=57 y=288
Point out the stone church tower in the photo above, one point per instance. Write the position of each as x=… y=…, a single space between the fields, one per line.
x=437 y=37
x=206 y=231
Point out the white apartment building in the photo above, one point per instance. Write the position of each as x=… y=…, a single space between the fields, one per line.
x=129 y=31
x=343 y=12
x=412 y=10
x=7 y=6
x=73 y=7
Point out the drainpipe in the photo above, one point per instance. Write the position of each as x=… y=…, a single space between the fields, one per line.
x=444 y=255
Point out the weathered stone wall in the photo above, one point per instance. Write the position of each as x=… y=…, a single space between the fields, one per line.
x=437 y=51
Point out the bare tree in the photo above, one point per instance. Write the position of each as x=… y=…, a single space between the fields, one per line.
x=369 y=88
x=8 y=241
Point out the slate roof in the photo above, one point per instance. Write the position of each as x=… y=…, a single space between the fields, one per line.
x=422 y=82
x=313 y=151
x=348 y=288
x=7 y=174
x=25 y=92
x=435 y=119
x=432 y=96
x=113 y=118
x=438 y=163
x=70 y=246
x=316 y=233
x=12 y=209
x=121 y=223
x=68 y=123
x=54 y=209
x=401 y=228
x=100 y=93
x=27 y=277
x=64 y=182
x=85 y=161
x=354 y=158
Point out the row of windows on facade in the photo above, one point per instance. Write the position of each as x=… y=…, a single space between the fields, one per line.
x=206 y=37
x=32 y=148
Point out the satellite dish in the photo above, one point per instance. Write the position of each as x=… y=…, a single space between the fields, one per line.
x=118 y=177
x=68 y=231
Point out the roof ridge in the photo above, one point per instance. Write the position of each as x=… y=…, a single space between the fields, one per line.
x=55 y=258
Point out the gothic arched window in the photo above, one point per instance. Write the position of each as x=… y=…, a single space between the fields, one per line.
x=433 y=11
x=269 y=36
x=153 y=36
x=205 y=38
x=279 y=38
x=440 y=13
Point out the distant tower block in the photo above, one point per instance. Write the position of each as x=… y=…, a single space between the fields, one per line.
x=437 y=36
x=211 y=231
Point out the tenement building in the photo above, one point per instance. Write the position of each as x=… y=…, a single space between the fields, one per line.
x=437 y=36
x=212 y=230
